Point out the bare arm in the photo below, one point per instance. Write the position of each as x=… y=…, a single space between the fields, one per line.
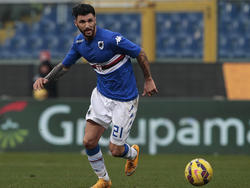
x=58 y=71
x=149 y=85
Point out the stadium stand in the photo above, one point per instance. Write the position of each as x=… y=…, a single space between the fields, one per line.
x=178 y=35
x=129 y=24
x=49 y=33
x=234 y=27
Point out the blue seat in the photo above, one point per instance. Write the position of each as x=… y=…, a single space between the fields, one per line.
x=230 y=46
x=35 y=42
x=18 y=43
x=134 y=37
x=22 y=29
x=163 y=24
x=197 y=47
x=65 y=29
x=50 y=42
x=64 y=43
x=229 y=10
x=128 y=23
x=49 y=13
x=166 y=46
x=245 y=9
x=179 y=35
x=108 y=21
x=5 y=50
x=223 y=46
x=47 y=26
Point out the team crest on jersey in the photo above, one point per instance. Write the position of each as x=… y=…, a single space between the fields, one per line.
x=101 y=44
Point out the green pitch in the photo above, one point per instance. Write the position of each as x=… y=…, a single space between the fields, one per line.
x=72 y=170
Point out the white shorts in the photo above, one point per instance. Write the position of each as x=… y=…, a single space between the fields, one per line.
x=119 y=114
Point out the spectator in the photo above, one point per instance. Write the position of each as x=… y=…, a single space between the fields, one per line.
x=44 y=68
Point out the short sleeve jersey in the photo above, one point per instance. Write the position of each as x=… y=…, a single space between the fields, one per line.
x=109 y=54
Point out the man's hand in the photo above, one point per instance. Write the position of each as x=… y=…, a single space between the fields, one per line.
x=149 y=87
x=39 y=83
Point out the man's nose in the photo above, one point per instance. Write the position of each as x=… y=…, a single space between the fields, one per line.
x=87 y=25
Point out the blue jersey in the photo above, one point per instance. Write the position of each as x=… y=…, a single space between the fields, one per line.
x=109 y=54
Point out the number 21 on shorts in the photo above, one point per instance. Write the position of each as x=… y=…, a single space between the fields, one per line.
x=117 y=131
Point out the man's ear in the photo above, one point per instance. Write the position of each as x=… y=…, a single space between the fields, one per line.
x=75 y=22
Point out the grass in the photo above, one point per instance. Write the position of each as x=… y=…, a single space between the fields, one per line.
x=72 y=170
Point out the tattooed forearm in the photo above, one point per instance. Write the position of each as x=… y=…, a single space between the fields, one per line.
x=56 y=72
x=143 y=62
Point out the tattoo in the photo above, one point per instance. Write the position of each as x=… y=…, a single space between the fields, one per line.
x=56 y=72
x=144 y=64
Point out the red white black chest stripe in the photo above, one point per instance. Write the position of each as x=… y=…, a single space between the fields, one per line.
x=114 y=63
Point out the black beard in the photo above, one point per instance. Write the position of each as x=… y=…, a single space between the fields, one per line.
x=87 y=37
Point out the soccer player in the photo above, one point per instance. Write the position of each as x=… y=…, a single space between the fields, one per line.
x=115 y=99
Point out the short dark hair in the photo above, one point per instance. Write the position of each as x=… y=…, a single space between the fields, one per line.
x=82 y=9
